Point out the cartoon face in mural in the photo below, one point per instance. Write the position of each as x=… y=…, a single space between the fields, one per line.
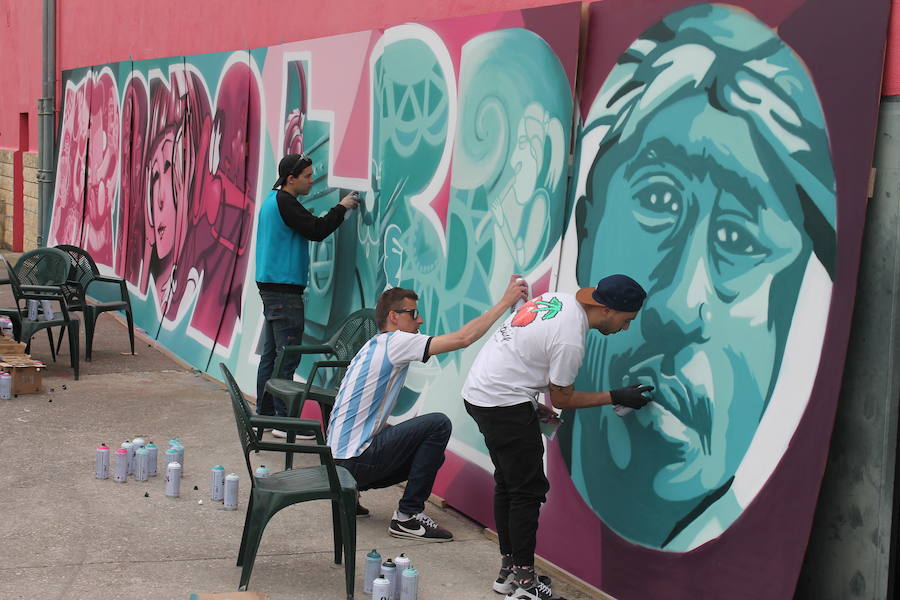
x=103 y=163
x=706 y=175
x=189 y=175
x=68 y=202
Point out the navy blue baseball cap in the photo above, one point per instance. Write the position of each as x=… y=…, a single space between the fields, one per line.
x=618 y=292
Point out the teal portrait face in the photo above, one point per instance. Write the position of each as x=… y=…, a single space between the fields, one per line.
x=699 y=200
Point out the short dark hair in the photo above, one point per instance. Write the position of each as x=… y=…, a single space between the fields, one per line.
x=389 y=300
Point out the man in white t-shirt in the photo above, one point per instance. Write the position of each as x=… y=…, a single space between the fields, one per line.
x=539 y=349
x=378 y=455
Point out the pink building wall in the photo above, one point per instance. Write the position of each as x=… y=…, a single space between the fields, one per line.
x=173 y=27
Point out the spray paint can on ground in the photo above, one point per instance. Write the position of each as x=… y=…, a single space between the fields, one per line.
x=402 y=563
x=261 y=472
x=32 y=310
x=217 y=483
x=409 y=584
x=101 y=462
x=372 y=570
x=120 y=474
x=381 y=589
x=173 y=480
x=172 y=456
x=129 y=448
x=389 y=572
x=178 y=447
x=152 y=460
x=140 y=465
x=232 y=482
x=5 y=386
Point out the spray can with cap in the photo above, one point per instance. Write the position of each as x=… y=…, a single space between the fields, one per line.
x=389 y=572
x=101 y=463
x=217 y=483
x=120 y=474
x=152 y=460
x=140 y=464
x=232 y=481
x=179 y=452
x=372 y=570
x=129 y=449
x=381 y=589
x=348 y=212
x=5 y=386
x=409 y=584
x=173 y=480
x=520 y=302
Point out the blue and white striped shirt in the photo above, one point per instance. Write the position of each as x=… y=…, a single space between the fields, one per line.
x=370 y=389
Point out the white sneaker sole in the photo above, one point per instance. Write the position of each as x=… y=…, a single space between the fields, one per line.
x=410 y=536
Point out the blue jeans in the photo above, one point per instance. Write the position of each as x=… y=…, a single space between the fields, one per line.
x=411 y=451
x=282 y=326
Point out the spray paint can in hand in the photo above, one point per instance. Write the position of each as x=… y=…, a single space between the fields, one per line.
x=120 y=475
x=129 y=448
x=381 y=589
x=152 y=460
x=261 y=472
x=350 y=210
x=373 y=569
x=173 y=480
x=217 y=483
x=5 y=386
x=520 y=302
x=621 y=409
x=101 y=464
x=389 y=572
x=140 y=464
x=232 y=483
x=409 y=584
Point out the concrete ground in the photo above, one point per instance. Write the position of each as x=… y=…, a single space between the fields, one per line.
x=66 y=535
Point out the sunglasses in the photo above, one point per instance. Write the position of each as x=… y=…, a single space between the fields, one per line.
x=302 y=157
x=413 y=312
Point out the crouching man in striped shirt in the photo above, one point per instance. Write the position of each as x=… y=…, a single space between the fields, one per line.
x=376 y=454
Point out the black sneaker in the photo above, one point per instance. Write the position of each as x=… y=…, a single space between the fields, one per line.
x=419 y=527
x=361 y=511
x=506 y=582
x=530 y=587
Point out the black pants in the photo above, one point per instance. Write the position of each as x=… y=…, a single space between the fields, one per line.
x=513 y=438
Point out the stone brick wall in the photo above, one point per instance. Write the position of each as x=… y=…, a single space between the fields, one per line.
x=30 y=164
x=30 y=168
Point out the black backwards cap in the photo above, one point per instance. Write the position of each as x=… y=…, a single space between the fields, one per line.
x=618 y=292
x=291 y=164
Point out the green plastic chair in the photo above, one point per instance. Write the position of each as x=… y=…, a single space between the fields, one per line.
x=280 y=490
x=83 y=272
x=350 y=335
x=39 y=275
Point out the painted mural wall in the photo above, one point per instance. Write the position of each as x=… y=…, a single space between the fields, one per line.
x=717 y=153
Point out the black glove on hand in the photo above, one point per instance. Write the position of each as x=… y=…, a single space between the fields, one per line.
x=631 y=396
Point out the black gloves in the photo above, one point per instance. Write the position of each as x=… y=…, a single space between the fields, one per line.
x=631 y=396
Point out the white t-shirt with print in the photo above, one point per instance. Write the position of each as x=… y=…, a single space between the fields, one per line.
x=542 y=342
x=370 y=389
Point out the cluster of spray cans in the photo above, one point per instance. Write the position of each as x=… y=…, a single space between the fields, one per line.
x=392 y=579
x=139 y=459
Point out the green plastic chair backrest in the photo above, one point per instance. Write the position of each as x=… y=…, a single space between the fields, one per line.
x=357 y=329
x=83 y=268
x=241 y=417
x=43 y=266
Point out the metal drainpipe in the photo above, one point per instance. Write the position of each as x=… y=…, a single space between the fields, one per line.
x=46 y=119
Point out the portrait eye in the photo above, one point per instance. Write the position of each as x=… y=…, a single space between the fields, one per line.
x=735 y=241
x=658 y=204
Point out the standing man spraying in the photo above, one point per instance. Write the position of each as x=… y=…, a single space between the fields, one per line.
x=539 y=349
x=284 y=231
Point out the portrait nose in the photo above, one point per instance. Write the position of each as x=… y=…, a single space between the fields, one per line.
x=681 y=309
